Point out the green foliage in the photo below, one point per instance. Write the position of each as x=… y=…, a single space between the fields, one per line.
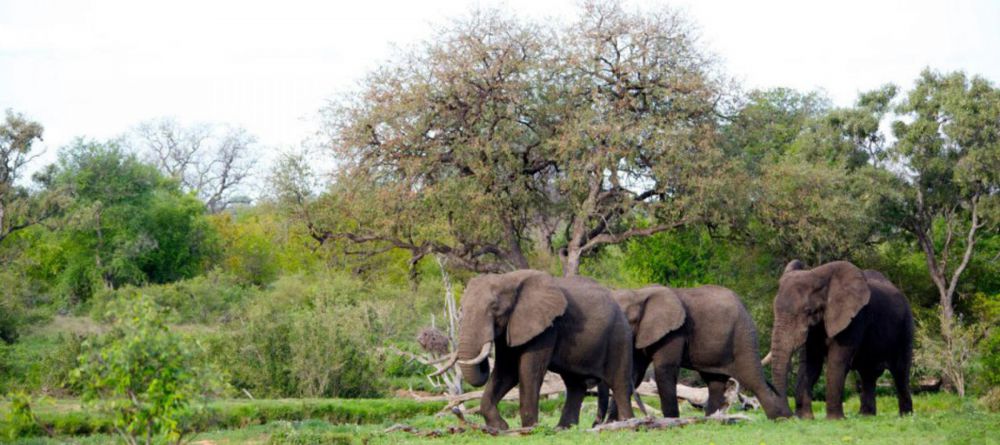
x=207 y=299
x=69 y=418
x=144 y=375
x=768 y=125
x=20 y=419
x=128 y=224
x=308 y=337
x=12 y=316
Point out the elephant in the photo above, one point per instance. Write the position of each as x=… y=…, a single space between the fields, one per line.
x=706 y=329
x=569 y=326
x=853 y=319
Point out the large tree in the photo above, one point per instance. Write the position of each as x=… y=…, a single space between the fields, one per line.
x=635 y=146
x=949 y=145
x=501 y=138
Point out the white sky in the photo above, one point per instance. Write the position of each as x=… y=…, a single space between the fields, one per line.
x=96 y=68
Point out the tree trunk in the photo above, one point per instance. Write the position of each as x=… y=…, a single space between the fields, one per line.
x=571 y=261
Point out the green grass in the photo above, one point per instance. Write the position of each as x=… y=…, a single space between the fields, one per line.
x=939 y=418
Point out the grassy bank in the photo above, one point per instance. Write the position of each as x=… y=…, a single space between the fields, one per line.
x=939 y=419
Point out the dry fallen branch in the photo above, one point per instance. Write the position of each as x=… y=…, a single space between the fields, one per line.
x=698 y=397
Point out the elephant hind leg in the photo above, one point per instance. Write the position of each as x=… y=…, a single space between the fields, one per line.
x=900 y=371
x=716 y=391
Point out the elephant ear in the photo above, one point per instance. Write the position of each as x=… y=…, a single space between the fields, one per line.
x=662 y=314
x=847 y=293
x=539 y=302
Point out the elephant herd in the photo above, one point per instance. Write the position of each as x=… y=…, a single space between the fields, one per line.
x=592 y=336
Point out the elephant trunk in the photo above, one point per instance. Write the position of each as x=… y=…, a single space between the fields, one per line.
x=782 y=348
x=472 y=340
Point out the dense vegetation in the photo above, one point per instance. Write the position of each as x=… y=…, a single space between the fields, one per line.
x=622 y=153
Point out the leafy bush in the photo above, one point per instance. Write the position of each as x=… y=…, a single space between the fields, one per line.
x=208 y=298
x=306 y=337
x=11 y=320
x=143 y=375
x=20 y=420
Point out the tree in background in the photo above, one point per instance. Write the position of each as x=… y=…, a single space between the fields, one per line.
x=210 y=161
x=635 y=150
x=21 y=207
x=128 y=223
x=443 y=147
x=811 y=182
x=490 y=143
x=949 y=145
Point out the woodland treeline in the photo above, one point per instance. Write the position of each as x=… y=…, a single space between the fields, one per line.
x=613 y=146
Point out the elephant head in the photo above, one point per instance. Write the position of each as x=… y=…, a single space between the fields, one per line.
x=512 y=308
x=652 y=312
x=831 y=294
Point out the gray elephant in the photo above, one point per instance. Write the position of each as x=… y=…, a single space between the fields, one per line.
x=569 y=326
x=706 y=329
x=850 y=318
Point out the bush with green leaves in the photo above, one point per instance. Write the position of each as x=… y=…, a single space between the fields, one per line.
x=306 y=337
x=206 y=299
x=128 y=224
x=145 y=376
x=20 y=419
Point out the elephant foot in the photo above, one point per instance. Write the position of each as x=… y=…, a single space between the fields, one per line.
x=808 y=415
x=834 y=416
x=497 y=424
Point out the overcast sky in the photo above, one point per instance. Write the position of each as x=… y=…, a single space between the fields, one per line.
x=96 y=68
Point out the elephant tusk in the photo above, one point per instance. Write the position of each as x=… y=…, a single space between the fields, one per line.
x=446 y=367
x=479 y=358
x=766 y=360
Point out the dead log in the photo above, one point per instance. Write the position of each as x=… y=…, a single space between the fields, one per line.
x=698 y=396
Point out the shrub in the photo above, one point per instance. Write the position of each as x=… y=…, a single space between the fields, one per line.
x=20 y=420
x=205 y=299
x=144 y=376
x=306 y=337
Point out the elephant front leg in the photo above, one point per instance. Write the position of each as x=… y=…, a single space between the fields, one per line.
x=533 y=364
x=665 y=375
x=666 y=365
x=837 y=362
x=576 y=389
x=500 y=383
